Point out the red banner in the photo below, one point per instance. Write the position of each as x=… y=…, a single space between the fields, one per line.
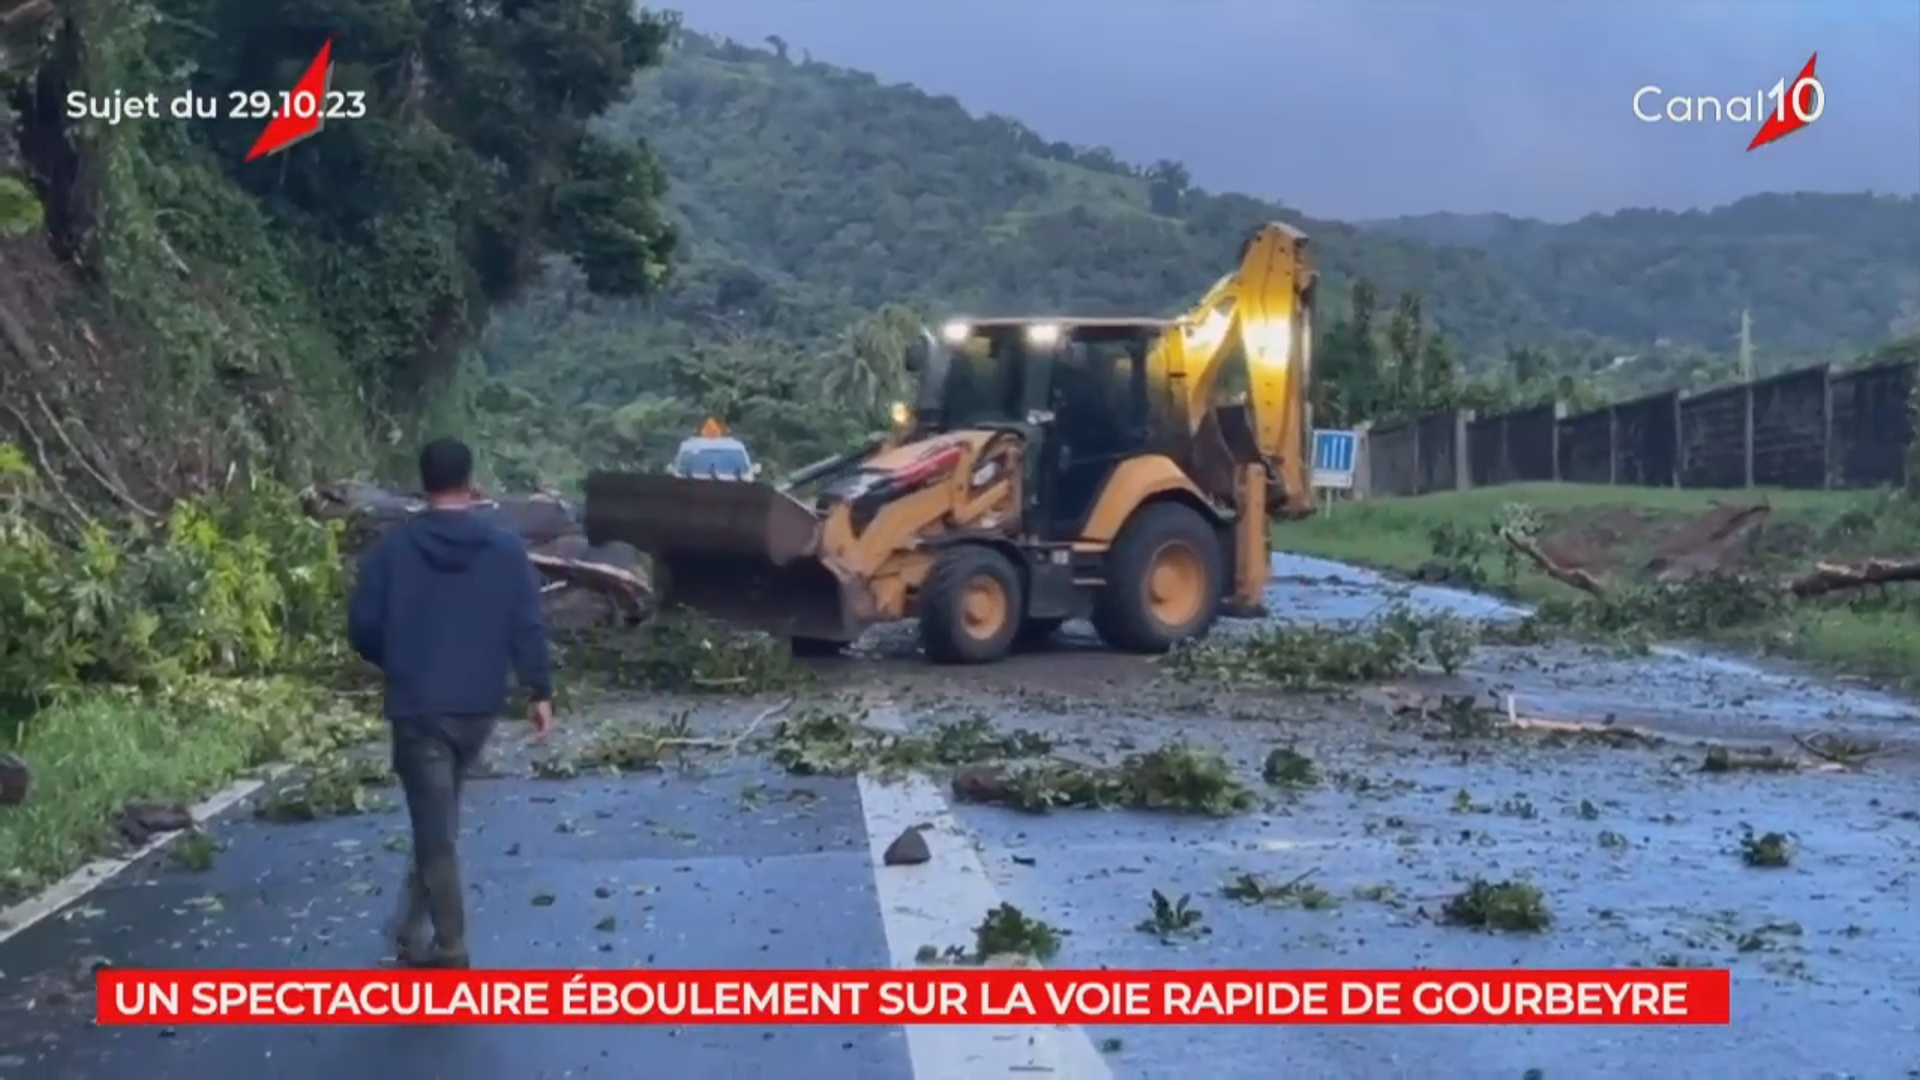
x=927 y=996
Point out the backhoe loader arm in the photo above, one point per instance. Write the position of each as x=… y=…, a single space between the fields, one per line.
x=1263 y=311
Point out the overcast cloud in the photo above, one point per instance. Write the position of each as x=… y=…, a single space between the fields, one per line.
x=1369 y=108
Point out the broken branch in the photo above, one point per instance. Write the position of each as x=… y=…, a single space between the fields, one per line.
x=1823 y=579
x=626 y=587
x=47 y=470
x=1833 y=577
x=1838 y=750
x=733 y=743
x=1580 y=579
x=86 y=465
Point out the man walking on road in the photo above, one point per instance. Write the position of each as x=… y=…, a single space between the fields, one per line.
x=445 y=605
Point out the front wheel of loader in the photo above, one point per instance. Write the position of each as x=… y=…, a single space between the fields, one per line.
x=1164 y=578
x=970 y=607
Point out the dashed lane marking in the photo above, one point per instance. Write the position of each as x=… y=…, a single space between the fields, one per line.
x=939 y=903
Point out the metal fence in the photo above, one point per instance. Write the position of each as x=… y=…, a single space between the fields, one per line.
x=1813 y=428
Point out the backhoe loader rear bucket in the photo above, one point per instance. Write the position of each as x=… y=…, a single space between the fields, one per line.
x=740 y=552
x=1223 y=444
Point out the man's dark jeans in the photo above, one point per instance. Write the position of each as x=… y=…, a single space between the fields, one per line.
x=431 y=755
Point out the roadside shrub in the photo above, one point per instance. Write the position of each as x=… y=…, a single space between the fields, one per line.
x=240 y=584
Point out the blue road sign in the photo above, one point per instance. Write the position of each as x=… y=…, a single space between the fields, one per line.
x=1333 y=458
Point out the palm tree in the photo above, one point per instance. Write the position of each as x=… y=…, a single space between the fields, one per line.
x=867 y=368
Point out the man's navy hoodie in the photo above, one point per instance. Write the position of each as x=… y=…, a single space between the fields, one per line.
x=447 y=604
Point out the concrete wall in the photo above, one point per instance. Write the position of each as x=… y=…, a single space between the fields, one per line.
x=1512 y=448
x=1393 y=460
x=1586 y=448
x=1871 y=427
x=1803 y=429
x=1790 y=430
x=1646 y=445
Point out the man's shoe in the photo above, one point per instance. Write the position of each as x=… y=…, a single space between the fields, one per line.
x=410 y=949
x=444 y=960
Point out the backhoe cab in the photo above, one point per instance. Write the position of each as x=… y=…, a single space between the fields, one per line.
x=1122 y=470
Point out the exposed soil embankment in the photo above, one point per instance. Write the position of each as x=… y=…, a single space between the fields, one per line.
x=1625 y=540
x=73 y=396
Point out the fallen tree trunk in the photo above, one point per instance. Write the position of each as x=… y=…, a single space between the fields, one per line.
x=1823 y=579
x=1833 y=577
x=626 y=588
x=539 y=518
x=550 y=526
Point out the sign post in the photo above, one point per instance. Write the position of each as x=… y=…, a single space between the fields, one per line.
x=1335 y=457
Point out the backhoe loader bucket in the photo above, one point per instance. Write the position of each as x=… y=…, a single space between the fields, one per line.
x=740 y=552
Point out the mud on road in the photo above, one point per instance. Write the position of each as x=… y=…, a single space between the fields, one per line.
x=733 y=861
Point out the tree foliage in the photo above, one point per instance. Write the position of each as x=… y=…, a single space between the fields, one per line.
x=476 y=157
x=1821 y=274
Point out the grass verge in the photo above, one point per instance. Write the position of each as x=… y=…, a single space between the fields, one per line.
x=100 y=750
x=1871 y=633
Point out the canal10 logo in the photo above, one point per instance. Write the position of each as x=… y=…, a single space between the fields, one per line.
x=1781 y=109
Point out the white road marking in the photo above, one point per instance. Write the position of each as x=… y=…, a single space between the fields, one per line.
x=75 y=886
x=939 y=903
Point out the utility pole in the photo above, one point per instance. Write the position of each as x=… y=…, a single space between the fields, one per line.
x=1746 y=344
x=1746 y=379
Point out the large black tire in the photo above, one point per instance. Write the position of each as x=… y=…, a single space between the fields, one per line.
x=953 y=633
x=1124 y=612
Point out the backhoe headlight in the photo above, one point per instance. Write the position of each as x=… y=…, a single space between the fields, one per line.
x=900 y=413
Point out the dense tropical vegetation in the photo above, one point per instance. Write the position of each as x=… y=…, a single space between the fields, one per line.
x=183 y=336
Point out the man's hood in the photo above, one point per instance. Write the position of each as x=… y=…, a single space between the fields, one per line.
x=449 y=540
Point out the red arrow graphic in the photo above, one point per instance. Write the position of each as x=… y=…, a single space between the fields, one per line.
x=1785 y=118
x=304 y=111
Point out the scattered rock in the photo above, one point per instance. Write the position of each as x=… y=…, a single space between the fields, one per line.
x=980 y=784
x=908 y=849
x=15 y=780
x=140 y=821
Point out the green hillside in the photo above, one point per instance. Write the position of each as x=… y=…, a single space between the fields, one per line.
x=1817 y=271
x=874 y=193
x=810 y=197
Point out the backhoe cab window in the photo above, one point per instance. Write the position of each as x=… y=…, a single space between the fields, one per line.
x=987 y=381
x=1096 y=378
x=1100 y=392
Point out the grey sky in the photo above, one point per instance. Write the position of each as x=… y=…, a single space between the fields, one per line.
x=1369 y=108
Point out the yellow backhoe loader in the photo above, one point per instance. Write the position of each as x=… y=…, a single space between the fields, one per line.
x=1121 y=470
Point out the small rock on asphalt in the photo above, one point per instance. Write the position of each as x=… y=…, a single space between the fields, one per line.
x=908 y=849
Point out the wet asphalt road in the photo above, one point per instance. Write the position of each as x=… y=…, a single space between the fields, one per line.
x=748 y=867
x=690 y=873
